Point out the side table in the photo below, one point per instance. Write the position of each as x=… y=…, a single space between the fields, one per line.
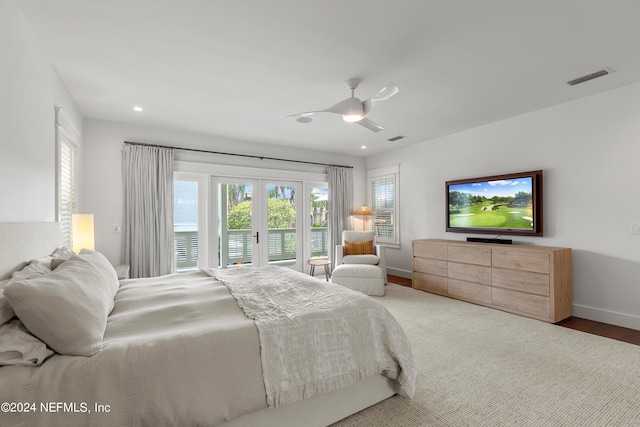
x=320 y=262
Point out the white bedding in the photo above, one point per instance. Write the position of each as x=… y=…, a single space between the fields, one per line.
x=318 y=337
x=177 y=351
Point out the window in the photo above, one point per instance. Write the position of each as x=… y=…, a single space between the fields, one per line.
x=383 y=199
x=66 y=135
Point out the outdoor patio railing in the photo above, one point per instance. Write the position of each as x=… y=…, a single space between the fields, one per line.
x=281 y=245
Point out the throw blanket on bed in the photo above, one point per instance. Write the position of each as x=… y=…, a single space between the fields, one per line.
x=309 y=326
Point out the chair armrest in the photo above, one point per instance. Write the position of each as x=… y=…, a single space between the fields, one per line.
x=382 y=263
x=339 y=254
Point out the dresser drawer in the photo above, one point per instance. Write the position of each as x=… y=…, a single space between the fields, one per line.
x=430 y=266
x=470 y=255
x=520 y=301
x=470 y=273
x=537 y=262
x=429 y=250
x=427 y=282
x=470 y=291
x=525 y=281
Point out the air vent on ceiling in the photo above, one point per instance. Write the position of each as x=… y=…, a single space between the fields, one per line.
x=395 y=138
x=591 y=76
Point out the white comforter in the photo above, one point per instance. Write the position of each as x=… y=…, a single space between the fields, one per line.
x=318 y=337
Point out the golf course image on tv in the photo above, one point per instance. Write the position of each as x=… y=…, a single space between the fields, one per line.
x=503 y=204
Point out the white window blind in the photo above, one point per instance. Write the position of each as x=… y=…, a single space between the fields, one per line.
x=67 y=139
x=383 y=199
x=66 y=191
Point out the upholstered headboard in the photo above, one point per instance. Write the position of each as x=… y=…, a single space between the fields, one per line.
x=23 y=241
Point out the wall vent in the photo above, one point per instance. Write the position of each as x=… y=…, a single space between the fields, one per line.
x=395 y=138
x=591 y=76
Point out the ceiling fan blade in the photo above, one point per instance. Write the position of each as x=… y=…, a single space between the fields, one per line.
x=370 y=125
x=383 y=94
x=308 y=113
x=347 y=106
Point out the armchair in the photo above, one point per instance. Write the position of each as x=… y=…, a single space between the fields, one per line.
x=360 y=263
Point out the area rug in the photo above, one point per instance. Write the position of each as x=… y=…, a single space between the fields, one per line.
x=483 y=367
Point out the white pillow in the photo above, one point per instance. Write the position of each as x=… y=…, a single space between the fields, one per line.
x=104 y=266
x=68 y=308
x=35 y=268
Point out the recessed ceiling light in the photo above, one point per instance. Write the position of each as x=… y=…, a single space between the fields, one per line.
x=137 y=108
x=363 y=146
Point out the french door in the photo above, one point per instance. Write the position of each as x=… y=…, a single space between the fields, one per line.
x=257 y=222
x=222 y=221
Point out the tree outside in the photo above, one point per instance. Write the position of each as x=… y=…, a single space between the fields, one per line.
x=280 y=215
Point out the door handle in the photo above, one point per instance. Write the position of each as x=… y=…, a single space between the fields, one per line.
x=257 y=236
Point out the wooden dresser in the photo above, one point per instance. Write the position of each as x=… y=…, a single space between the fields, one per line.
x=533 y=281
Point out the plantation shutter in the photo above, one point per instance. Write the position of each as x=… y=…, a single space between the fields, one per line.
x=67 y=196
x=67 y=141
x=383 y=205
x=383 y=199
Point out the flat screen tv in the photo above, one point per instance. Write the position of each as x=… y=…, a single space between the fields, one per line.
x=509 y=204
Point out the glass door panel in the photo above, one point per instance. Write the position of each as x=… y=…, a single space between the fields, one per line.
x=282 y=231
x=188 y=218
x=238 y=234
x=319 y=237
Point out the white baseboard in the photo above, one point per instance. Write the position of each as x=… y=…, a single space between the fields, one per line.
x=606 y=316
x=399 y=272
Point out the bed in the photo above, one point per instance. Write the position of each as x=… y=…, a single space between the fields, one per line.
x=233 y=347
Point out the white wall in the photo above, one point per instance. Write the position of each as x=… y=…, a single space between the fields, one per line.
x=30 y=89
x=102 y=164
x=589 y=150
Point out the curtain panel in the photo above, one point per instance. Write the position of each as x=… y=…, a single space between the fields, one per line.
x=340 y=202
x=149 y=246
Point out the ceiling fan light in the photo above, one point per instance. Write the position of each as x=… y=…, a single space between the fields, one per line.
x=351 y=118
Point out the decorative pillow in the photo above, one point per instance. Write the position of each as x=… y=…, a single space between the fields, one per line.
x=19 y=347
x=68 y=308
x=358 y=248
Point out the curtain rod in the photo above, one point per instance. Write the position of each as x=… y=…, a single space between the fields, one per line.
x=235 y=154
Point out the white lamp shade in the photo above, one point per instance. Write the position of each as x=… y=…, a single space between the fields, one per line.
x=82 y=232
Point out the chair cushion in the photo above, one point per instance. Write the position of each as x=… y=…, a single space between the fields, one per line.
x=358 y=236
x=361 y=259
x=358 y=248
x=362 y=271
x=368 y=279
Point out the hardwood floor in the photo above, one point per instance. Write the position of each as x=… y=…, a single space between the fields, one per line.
x=619 y=333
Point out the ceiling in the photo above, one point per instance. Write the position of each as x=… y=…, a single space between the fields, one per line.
x=237 y=69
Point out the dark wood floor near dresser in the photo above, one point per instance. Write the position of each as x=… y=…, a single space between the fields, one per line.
x=619 y=333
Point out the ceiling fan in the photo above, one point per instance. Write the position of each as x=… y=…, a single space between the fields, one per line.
x=353 y=110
